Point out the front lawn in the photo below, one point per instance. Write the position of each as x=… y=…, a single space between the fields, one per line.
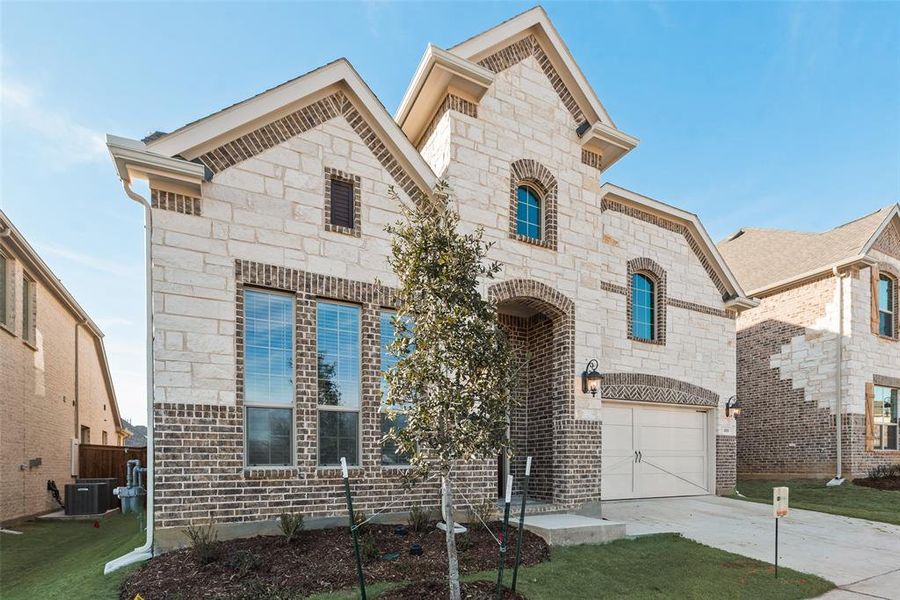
x=848 y=500
x=65 y=559
x=659 y=566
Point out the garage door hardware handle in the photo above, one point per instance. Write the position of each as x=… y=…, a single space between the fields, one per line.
x=638 y=456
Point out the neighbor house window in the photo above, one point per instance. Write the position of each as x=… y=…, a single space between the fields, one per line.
x=886 y=418
x=85 y=435
x=29 y=297
x=391 y=415
x=4 y=290
x=269 y=377
x=104 y=437
x=338 y=365
x=643 y=315
x=528 y=212
x=887 y=311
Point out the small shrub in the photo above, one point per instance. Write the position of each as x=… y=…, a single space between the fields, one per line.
x=419 y=519
x=244 y=562
x=291 y=525
x=204 y=542
x=359 y=520
x=484 y=511
x=368 y=548
x=884 y=472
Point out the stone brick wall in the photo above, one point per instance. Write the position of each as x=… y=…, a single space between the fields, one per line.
x=726 y=467
x=38 y=399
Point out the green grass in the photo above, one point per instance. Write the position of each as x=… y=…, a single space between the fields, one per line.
x=64 y=559
x=658 y=566
x=848 y=500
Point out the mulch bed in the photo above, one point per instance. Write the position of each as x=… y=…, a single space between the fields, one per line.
x=882 y=483
x=476 y=590
x=321 y=560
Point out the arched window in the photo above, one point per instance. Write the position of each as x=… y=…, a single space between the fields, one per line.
x=643 y=312
x=528 y=212
x=887 y=309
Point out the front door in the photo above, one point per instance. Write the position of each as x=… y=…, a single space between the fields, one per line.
x=654 y=451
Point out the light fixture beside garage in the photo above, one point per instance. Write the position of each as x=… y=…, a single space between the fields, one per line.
x=732 y=407
x=590 y=378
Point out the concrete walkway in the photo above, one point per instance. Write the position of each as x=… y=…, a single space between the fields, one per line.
x=861 y=557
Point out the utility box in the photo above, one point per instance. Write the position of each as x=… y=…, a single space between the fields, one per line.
x=111 y=483
x=86 y=498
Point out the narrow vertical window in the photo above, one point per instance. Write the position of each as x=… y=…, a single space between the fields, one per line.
x=269 y=377
x=29 y=297
x=339 y=379
x=887 y=311
x=85 y=434
x=528 y=213
x=643 y=315
x=886 y=418
x=104 y=436
x=392 y=416
x=342 y=201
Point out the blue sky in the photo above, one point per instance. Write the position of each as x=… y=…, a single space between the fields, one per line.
x=762 y=114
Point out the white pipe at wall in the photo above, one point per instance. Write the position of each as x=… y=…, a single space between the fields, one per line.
x=146 y=551
x=838 y=383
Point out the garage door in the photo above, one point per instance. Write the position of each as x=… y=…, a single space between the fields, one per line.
x=651 y=451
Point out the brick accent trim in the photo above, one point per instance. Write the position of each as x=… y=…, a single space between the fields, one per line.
x=180 y=203
x=649 y=267
x=304 y=119
x=889 y=242
x=668 y=225
x=726 y=464
x=450 y=102
x=529 y=172
x=355 y=181
x=522 y=49
x=644 y=387
x=591 y=159
x=615 y=288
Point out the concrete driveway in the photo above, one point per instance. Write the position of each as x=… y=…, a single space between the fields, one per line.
x=861 y=557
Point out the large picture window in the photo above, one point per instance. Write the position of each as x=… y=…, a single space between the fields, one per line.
x=269 y=377
x=886 y=418
x=887 y=311
x=391 y=416
x=643 y=315
x=339 y=378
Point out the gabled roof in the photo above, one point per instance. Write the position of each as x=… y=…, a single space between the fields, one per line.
x=765 y=259
x=192 y=141
x=468 y=69
x=38 y=268
x=696 y=235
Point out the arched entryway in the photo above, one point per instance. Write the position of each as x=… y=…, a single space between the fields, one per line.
x=540 y=323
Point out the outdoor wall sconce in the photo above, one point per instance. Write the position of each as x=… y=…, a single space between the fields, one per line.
x=732 y=407
x=590 y=378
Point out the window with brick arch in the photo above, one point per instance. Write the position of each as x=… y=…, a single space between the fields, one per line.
x=887 y=309
x=643 y=313
x=529 y=216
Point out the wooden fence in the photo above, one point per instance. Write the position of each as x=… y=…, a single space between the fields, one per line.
x=95 y=460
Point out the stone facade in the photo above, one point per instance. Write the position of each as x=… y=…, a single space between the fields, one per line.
x=55 y=384
x=562 y=300
x=787 y=369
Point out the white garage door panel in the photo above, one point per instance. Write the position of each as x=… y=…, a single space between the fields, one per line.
x=651 y=451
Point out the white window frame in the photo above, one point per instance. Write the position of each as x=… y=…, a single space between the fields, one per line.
x=654 y=306
x=292 y=406
x=890 y=309
x=882 y=428
x=347 y=409
x=542 y=209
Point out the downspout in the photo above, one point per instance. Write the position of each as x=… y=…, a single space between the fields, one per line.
x=77 y=402
x=838 y=383
x=146 y=551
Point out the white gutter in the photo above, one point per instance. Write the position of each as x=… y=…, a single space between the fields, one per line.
x=146 y=551
x=838 y=382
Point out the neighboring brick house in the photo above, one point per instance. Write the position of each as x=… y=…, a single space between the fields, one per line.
x=55 y=387
x=272 y=292
x=793 y=349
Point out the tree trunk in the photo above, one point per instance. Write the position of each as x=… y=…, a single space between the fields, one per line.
x=452 y=560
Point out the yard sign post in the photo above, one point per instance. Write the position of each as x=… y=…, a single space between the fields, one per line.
x=779 y=509
x=509 y=483
x=521 y=524
x=359 y=569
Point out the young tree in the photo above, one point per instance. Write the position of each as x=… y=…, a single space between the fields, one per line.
x=454 y=388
